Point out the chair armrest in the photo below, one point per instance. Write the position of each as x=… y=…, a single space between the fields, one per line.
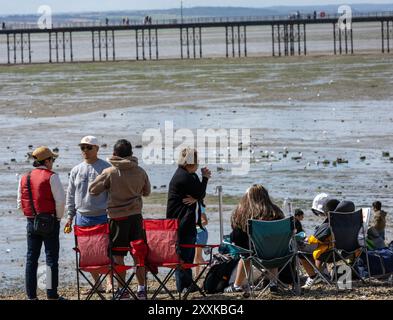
x=239 y=249
x=121 y=249
x=212 y=246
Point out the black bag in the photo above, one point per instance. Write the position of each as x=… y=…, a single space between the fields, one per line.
x=217 y=279
x=44 y=223
x=380 y=261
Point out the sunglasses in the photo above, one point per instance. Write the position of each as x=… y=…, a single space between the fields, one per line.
x=83 y=148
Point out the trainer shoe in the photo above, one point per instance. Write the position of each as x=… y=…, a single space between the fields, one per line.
x=141 y=295
x=233 y=289
x=193 y=289
x=125 y=295
x=309 y=282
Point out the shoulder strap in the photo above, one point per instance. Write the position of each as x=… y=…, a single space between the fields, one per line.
x=199 y=213
x=30 y=194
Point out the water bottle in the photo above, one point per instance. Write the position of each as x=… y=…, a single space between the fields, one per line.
x=289 y=204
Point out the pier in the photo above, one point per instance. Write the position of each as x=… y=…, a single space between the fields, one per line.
x=288 y=38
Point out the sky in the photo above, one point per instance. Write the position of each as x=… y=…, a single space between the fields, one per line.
x=60 y=6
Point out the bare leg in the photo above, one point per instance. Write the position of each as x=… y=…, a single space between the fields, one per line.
x=120 y=261
x=318 y=264
x=141 y=276
x=241 y=274
x=198 y=259
x=307 y=267
x=109 y=284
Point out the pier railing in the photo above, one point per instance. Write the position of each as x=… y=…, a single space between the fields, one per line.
x=190 y=20
x=288 y=37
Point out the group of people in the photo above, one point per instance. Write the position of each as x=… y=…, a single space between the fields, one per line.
x=147 y=20
x=111 y=192
x=126 y=21
x=256 y=204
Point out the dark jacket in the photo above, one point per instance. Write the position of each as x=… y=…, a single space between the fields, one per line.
x=323 y=231
x=183 y=184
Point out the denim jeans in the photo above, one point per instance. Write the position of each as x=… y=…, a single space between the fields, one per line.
x=34 y=244
x=184 y=277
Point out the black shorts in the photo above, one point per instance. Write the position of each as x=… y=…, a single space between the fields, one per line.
x=124 y=230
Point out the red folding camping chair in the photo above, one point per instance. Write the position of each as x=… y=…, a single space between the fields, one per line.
x=162 y=242
x=93 y=253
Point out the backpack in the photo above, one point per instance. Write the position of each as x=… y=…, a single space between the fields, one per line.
x=217 y=279
x=380 y=261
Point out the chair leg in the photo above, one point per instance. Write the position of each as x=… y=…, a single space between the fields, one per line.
x=97 y=285
x=368 y=265
x=271 y=275
x=93 y=286
x=295 y=276
x=195 y=283
x=125 y=285
x=335 y=270
x=163 y=284
x=77 y=271
x=78 y=284
x=317 y=271
x=351 y=266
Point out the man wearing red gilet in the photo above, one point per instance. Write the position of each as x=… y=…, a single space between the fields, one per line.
x=48 y=197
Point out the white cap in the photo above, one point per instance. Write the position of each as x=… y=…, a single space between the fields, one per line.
x=318 y=202
x=89 y=140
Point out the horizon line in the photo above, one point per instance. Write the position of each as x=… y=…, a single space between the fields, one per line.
x=193 y=7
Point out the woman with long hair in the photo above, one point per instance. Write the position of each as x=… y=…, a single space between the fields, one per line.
x=257 y=205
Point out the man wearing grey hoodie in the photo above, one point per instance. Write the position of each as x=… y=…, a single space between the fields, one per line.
x=126 y=184
x=88 y=210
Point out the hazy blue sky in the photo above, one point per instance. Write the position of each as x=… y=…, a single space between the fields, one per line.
x=31 y=6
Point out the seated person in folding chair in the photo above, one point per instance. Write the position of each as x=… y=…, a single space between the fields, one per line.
x=314 y=245
x=89 y=210
x=201 y=239
x=126 y=184
x=322 y=238
x=255 y=204
x=185 y=190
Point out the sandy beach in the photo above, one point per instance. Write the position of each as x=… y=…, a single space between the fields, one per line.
x=323 y=107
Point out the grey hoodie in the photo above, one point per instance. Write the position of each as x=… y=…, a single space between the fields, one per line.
x=126 y=184
x=78 y=197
